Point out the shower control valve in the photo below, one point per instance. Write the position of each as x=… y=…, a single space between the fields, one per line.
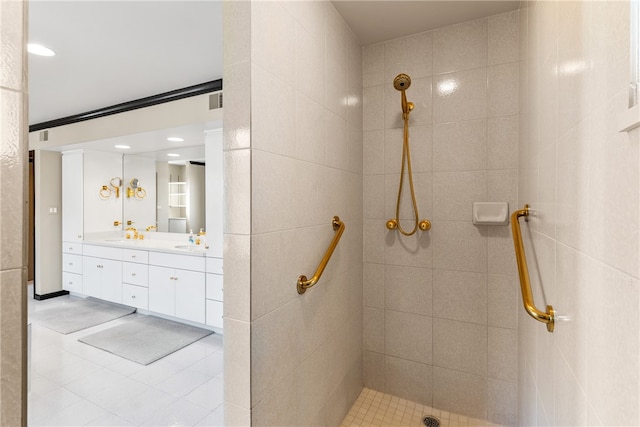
x=425 y=225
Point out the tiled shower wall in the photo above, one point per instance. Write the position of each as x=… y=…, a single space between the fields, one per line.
x=293 y=160
x=13 y=167
x=440 y=320
x=581 y=177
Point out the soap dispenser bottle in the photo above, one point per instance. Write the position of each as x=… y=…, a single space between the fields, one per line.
x=191 y=239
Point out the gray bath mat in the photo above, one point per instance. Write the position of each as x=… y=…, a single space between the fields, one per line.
x=80 y=314
x=145 y=339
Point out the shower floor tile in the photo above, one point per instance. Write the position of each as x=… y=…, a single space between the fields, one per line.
x=374 y=408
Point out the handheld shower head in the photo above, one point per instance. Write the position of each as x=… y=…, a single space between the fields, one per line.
x=402 y=82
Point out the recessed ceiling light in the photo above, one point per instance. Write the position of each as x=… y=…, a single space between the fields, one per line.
x=173 y=155
x=175 y=139
x=124 y=147
x=40 y=50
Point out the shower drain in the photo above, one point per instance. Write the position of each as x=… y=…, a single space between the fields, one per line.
x=430 y=421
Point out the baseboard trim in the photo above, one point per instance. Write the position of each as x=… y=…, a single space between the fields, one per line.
x=50 y=295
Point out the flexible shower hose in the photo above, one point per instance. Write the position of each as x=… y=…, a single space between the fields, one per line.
x=406 y=158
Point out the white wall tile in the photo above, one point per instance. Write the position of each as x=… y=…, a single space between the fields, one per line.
x=410 y=55
x=408 y=289
x=408 y=336
x=374 y=329
x=460 y=296
x=502 y=92
x=310 y=129
x=460 y=146
x=373 y=108
x=408 y=380
x=503 y=38
x=273 y=39
x=460 y=47
x=502 y=402
x=460 y=346
x=503 y=301
x=460 y=96
x=455 y=192
x=459 y=246
x=309 y=64
x=373 y=152
x=459 y=392
x=503 y=354
x=374 y=285
x=274 y=129
x=502 y=142
x=373 y=65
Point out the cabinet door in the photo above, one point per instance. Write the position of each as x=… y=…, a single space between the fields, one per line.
x=162 y=290
x=190 y=295
x=91 y=276
x=72 y=188
x=111 y=280
x=214 y=314
x=72 y=282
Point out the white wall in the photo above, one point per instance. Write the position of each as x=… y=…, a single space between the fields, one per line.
x=293 y=121
x=581 y=177
x=48 y=262
x=440 y=320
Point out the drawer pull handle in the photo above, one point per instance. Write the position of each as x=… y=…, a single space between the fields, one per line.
x=133 y=256
x=133 y=296
x=70 y=249
x=70 y=263
x=133 y=274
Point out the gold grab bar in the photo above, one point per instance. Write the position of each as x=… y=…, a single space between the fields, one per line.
x=303 y=283
x=523 y=272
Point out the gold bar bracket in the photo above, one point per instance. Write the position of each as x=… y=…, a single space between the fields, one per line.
x=549 y=316
x=303 y=282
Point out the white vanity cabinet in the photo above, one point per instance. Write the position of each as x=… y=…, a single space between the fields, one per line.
x=72 y=189
x=102 y=272
x=214 y=293
x=72 y=267
x=135 y=278
x=177 y=286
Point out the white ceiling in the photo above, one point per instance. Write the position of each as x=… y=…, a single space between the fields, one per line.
x=376 y=21
x=109 y=52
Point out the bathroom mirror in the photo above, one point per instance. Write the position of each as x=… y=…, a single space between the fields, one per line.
x=167 y=189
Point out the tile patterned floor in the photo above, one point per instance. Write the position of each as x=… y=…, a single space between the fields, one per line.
x=373 y=408
x=74 y=384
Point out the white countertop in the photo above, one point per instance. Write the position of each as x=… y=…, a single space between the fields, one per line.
x=149 y=244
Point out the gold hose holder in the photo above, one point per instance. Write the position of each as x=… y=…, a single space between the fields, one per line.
x=424 y=225
x=549 y=316
x=303 y=282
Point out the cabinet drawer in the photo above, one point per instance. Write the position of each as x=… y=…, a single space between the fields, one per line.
x=184 y=262
x=72 y=248
x=72 y=282
x=135 y=274
x=214 y=287
x=133 y=255
x=135 y=296
x=72 y=263
x=102 y=252
x=214 y=265
x=214 y=314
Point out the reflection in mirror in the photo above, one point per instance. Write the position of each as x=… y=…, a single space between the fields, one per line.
x=178 y=186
